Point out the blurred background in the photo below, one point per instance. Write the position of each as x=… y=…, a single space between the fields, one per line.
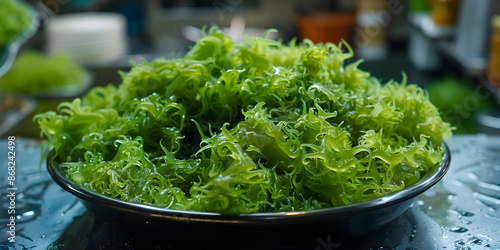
x=449 y=47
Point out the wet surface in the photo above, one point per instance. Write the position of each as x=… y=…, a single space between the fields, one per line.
x=460 y=212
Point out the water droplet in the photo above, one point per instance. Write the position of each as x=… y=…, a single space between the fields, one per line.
x=466 y=222
x=486 y=237
x=458 y=230
x=475 y=241
x=465 y=213
x=28 y=213
x=459 y=244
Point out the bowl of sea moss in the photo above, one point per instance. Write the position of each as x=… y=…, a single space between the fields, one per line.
x=251 y=142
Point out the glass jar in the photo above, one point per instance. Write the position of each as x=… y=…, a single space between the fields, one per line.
x=444 y=12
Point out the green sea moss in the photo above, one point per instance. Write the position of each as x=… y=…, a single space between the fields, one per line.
x=248 y=127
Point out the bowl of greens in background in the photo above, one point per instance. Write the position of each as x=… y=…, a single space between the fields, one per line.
x=49 y=80
x=460 y=102
x=256 y=139
x=18 y=22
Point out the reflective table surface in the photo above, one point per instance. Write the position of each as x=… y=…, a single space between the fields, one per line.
x=461 y=212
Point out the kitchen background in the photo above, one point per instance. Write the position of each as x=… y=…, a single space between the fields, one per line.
x=450 y=47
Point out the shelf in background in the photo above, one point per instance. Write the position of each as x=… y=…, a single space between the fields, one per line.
x=466 y=44
x=471 y=66
x=495 y=90
x=440 y=41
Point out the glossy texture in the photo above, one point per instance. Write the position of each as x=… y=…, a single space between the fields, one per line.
x=346 y=221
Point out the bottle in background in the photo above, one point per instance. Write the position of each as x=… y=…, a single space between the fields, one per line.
x=494 y=55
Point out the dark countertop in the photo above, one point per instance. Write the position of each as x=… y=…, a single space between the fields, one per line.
x=462 y=211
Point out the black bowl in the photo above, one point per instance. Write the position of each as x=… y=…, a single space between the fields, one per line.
x=181 y=226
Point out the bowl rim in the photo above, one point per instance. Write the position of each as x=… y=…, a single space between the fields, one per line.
x=255 y=218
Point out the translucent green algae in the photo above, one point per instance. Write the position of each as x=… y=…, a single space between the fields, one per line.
x=248 y=127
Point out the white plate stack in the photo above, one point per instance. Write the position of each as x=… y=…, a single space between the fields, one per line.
x=89 y=38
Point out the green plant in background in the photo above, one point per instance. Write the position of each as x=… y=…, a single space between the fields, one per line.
x=458 y=102
x=258 y=126
x=419 y=6
x=37 y=74
x=14 y=20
